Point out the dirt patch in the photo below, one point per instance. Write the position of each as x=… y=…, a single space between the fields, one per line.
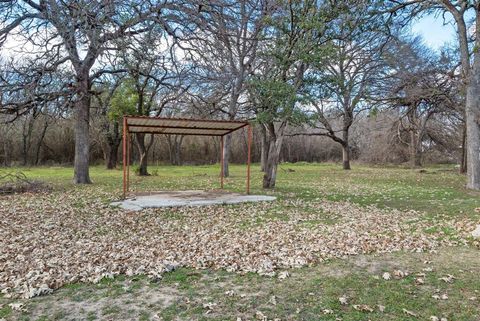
x=124 y=303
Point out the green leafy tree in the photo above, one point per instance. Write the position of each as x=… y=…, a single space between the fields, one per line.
x=295 y=38
x=123 y=102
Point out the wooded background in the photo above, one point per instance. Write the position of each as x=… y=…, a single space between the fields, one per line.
x=320 y=80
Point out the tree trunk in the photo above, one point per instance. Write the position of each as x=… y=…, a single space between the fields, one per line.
x=142 y=153
x=24 y=149
x=346 y=157
x=472 y=106
x=415 y=153
x=6 y=150
x=463 y=156
x=226 y=154
x=27 y=138
x=40 y=142
x=275 y=146
x=112 y=154
x=264 y=148
x=82 y=140
x=177 y=153
x=472 y=114
x=113 y=144
x=346 y=150
x=175 y=149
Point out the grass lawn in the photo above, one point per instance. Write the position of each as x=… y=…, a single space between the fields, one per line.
x=373 y=243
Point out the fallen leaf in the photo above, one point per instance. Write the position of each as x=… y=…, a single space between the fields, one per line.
x=17 y=307
x=260 y=316
x=273 y=300
x=327 y=311
x=343 y=300
x=363 y=308
x=283 y=275
x=400 y=274
x=230 y=293
x=448 y=278
x=419 y=281
x=209 y=305
x=408 y=312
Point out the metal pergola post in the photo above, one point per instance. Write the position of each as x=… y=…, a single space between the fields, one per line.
x=222 y=174
x=129 y=145
x=249 y=154
x=124 y=157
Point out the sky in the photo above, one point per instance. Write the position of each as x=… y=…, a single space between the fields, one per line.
x=434 y=32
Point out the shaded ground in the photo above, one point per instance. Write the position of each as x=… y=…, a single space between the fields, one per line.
x=72 y=235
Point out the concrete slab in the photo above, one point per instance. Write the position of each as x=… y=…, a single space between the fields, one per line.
x=187 y=198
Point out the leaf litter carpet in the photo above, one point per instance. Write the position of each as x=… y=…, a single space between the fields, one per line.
x=48 y=240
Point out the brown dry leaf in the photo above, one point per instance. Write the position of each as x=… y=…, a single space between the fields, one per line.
x=67 y=241
x=18 y=307
x=419 y=281
x=400 y=274
x=327 y=311
x=260 y=316
x=273 y=300
x=230 y=293
x=363 y=308
x=343 y=300
x=408 y=312
x=448 y=278
x=209 y=305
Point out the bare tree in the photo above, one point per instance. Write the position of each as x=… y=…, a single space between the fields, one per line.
x=74 y=35
x=345 y=82
x=107 y=118
x=224 y=52
x=466 y=16
x=421 y=88
x=157 y=80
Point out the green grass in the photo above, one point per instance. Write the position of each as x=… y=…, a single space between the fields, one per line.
x=437 y=191
x=310 y=291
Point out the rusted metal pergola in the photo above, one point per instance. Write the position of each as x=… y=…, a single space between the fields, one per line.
x=181 y=126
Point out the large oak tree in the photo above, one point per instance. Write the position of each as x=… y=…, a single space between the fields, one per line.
x=74 y=35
